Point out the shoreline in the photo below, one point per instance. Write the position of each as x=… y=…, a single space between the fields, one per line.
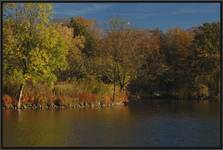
x=70 y=106
x=94 y=105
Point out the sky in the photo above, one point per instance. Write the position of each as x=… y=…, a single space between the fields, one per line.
x=143 y=15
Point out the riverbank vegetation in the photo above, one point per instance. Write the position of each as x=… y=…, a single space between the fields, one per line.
x=75 y=63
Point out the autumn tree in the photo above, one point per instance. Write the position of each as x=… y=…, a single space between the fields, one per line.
x=176 y=45
x=87 y=29
x=32 y=48
x=207 y=59
x=75 y=68
x=119 y=53
x=152 y=64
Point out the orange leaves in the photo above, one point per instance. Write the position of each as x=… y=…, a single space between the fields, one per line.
x=85 y=22
x=8 y=100
x=89 y=97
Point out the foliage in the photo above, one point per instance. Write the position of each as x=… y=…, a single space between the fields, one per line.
x=65 y=94
x=84 y=27
x=87 y=66
x=74 y=56
x=32 y=48
x=179 y=63
x=207 y=57
x=119 y=54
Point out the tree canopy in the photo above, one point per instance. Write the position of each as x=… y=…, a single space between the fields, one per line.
x=177 y=62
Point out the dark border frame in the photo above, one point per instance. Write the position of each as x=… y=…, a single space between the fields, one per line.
x=116 y=1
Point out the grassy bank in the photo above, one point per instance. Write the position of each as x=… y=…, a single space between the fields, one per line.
x=75 y=94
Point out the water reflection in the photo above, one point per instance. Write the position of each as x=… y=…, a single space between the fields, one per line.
x=150 y=123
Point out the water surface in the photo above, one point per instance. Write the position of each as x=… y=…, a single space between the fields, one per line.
x=155 y=123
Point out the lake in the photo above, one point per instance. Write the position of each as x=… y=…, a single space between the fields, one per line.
x=154 y=123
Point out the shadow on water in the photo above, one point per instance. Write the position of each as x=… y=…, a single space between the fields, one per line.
x=176 y=107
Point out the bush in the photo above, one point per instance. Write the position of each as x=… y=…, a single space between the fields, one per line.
x=7 y=100
x=67 y=94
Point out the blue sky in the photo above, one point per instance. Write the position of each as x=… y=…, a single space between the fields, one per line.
x=144 y=15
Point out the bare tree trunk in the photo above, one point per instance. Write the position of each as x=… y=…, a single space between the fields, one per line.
x=20 y=95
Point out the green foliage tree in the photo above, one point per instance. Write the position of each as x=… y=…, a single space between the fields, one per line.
x=84 y=27
x=88 y=30
x=207 y=59
x=32 y=48
x=75 y=68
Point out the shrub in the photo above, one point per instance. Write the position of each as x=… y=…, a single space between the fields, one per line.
x=7 y=100
x=67 y=94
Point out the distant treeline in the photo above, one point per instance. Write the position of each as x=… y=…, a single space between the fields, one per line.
x=38 y=51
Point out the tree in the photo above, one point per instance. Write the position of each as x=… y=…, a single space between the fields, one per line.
x=74 y=56
x=178 y=55
x=119 y=53
x=207 y=58
x=151 y=59
x=87 y=29
x=32 y=48
x=90 y=32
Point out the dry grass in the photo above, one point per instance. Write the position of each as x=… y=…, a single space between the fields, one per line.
x=66 y=94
